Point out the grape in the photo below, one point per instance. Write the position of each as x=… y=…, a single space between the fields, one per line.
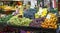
x=19 y=21
x=37 y=22
x=22 y=31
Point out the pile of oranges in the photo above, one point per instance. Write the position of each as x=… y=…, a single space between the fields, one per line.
x=50 y=23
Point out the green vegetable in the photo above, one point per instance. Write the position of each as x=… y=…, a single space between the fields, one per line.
x=15 y=20
x=5 y=19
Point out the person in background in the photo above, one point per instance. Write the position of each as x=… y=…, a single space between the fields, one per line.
x=19 y=8
x=16 y=11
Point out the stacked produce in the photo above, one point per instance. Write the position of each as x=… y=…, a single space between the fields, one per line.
x=37 y=22
x=6 y=7
x=4 y=20
x=30 y=13
x=50 y=21
x=41 y=13
x=17 y=21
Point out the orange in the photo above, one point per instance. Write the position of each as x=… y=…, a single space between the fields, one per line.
x=55 y=26
x=28 y=31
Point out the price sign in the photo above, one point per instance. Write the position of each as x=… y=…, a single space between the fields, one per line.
x=48 y=16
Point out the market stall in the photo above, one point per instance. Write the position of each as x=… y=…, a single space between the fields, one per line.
x=30 y=17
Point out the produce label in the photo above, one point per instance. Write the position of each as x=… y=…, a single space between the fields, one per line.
x=48 y=16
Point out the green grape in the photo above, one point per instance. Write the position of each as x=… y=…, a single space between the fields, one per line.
x=20 y=21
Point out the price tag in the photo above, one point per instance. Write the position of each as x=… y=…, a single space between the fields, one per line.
x=48 y=16
x=40 y=11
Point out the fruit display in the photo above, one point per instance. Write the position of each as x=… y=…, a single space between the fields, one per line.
x=41 y=13
x=6 y=7
x=29 y=14
x=37 y=22
x=50 y=21
x=16 y=21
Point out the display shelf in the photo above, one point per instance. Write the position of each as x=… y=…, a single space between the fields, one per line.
x=33 y=28
x=46 y=30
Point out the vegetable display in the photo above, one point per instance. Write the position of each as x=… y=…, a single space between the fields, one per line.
x=32 y=14
x=3 y=20
x=15 y=20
